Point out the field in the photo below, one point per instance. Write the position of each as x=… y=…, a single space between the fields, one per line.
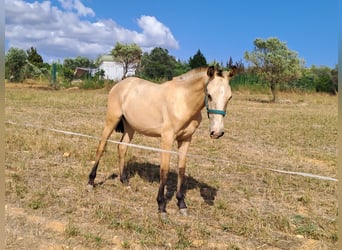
x=234 y=201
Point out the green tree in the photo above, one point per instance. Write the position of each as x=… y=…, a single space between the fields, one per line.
x=230 y=63
x=305 y=82
x=325 y=79
x=334 y=78
x=240 y=67
x=70 y=64
x=80 y=61
x=34 y=66
x=34 y=58
x=180 y=68
x=128 y=55
x=158 y=65
x=198 y=60
x=274 y=62
x=15 y=61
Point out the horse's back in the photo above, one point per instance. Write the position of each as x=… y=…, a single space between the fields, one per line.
x=135 y=85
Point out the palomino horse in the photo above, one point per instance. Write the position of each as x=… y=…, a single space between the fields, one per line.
x=172 y=111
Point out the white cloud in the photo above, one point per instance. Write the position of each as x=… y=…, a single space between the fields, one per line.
x=66 y=32
x=77 y=6
x=155 y=33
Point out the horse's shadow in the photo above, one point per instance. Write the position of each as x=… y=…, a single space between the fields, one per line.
x=150 y=172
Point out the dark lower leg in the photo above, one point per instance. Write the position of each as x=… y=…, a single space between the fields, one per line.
x=161 y=197
x=166 y=143
x=122 y=149
x=92 y=174
x=100 y=148
x=161 y=200
x=124 y=177
x=180 y=195
x=181 y=203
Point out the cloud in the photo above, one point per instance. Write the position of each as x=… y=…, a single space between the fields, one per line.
x=155 y=33
x=67 y=31
x=77 y=6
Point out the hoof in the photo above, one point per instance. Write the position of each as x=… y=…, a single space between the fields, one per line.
x=89 y=188
x=183 y=211
x=163 y=216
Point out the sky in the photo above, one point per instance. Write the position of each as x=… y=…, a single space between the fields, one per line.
x=220 y=29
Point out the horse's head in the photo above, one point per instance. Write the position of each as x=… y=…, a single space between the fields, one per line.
x=217 y=95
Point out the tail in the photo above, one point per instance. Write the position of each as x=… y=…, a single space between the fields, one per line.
x=120 y=127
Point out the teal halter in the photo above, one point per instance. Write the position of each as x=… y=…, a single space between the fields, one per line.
x=211 y=111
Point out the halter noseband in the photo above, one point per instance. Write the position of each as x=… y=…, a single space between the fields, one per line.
x=211 y=111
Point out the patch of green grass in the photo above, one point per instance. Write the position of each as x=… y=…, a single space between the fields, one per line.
x=71 y=230
x=95 y=238
x=125 y=244
x=183 y=238
x=36 y=204
x=305 y=226
x=21 y=190
x=40 y=198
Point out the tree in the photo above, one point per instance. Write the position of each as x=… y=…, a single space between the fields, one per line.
x=80 y=61
x=325 y=79
x=240 y=67
x=198 y=60
x=70 y=64
x=15 y=61
x=180 y=68
x=128 y=55
x=334 y=79
x=34 y=66
x=158 y=65
x=230 y=63
x=274 y=62
x=34 y=58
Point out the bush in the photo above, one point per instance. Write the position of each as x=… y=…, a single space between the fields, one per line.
x=249 y=82
x=92 y=84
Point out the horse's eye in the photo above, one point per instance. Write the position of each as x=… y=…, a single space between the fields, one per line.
x=209 y=97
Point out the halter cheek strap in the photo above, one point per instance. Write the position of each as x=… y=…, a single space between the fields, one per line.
x=211 y=111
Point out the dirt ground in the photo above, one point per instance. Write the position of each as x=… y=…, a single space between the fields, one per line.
x=234 y=201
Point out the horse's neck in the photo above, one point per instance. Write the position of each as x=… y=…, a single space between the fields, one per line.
x=195 y=92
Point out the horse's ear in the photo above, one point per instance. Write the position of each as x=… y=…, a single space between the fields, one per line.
x=232 y=71
x=211 y=71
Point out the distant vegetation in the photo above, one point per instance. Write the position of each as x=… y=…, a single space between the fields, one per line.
x=272 y=67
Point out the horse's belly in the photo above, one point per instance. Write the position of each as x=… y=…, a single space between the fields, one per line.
x=143 y=124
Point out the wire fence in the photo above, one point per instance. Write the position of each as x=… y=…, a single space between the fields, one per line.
x=201 y=157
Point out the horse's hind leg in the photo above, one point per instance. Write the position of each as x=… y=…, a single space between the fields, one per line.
x=110 y=125
x=122 y=149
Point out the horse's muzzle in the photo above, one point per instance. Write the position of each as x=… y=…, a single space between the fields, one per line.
x=214 y=135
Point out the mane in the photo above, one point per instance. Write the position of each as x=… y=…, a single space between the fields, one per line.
x=196 y=73
x=190 y=74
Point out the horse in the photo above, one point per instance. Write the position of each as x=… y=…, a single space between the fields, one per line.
x=171 y=111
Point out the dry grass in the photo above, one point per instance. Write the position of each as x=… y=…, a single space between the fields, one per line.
x=232 y=205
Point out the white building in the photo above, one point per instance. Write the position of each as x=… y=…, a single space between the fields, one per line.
x=113 y=70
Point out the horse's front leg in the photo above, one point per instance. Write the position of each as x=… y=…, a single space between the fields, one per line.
x=183 y=146
x=164 y=171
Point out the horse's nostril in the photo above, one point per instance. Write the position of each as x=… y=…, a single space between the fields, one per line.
x=216 y=135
